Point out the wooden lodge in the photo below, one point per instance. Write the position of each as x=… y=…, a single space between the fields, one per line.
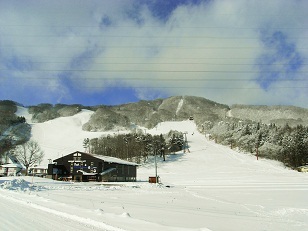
x=81 y=166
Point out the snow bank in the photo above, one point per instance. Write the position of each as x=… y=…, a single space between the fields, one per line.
x=16 y=184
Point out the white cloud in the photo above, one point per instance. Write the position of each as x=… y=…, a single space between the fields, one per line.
x=218 y=41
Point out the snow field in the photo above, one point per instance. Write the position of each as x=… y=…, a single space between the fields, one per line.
x=209 y=188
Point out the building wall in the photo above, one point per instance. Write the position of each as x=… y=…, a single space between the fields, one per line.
x=79 y=161
x=70 y=165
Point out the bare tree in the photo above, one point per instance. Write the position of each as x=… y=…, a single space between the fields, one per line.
x=29 y=154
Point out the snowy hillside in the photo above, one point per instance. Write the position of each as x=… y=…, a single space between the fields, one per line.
x=279 y=115
x=60 y=136
x=209 y=188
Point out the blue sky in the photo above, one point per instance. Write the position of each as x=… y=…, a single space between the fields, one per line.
x=115 y=51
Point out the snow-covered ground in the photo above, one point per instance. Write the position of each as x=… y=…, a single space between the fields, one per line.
x=209 y=188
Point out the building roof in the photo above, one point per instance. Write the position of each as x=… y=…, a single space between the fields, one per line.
x=11 y=165
x=9 y=159
x=38 y=167
x=108 y=159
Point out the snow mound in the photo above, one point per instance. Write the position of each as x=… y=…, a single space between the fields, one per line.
x=16 y=184
x=125 y=214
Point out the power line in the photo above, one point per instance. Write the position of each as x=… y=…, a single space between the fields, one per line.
x=169 y=79
x=176 y=87
x=171 y=63
x=148 y=26
x=142 y=47
x=175 y=79
x=146 y=37
x=149 y=71
x=142 y=57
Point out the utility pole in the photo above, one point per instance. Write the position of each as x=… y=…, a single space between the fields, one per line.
x=257 y=145
x=156 y=177
x=155 y=160
x=186 y=142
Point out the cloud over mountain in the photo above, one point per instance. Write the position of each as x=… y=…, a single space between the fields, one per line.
x=121 y=51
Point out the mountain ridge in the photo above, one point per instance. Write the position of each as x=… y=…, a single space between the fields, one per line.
x=227 y=125
x=148 y=113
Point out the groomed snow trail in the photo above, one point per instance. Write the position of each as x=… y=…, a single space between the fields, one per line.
x=27 y=215
x=180 y=105
x=60 y=136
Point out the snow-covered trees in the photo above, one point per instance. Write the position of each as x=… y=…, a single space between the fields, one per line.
x=13 y=129
x=135 y=147
x=45 y=111
x=286 y=144
x=295 y=147
x=176 y=141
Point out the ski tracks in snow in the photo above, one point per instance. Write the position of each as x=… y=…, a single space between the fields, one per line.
x=76 y=221
x=180 y=105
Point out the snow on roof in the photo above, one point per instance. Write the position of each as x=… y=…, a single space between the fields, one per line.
x=11 y=165
x=108 y=159
x=38 y=167
x=113 y=160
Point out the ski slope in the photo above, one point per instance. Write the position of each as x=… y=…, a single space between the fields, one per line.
x=61 y=136
x=209 y=188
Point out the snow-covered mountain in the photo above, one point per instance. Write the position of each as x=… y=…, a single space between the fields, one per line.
x=143 y=113
x=149 y=113
x=13 y=129
x=209 y=188
x=61 y=129
x=279 y=115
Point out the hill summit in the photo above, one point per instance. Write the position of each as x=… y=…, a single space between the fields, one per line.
x=148 y=113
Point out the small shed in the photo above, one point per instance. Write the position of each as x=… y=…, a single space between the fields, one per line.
x=82 y=166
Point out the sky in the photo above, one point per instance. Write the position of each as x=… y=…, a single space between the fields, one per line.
x=119 y=51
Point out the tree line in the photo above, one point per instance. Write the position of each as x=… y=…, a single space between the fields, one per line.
x=284 y=143
x=14 y=137
x=135 y=147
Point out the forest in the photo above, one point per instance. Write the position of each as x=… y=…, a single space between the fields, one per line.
x=283 y=143
x=13 y=129
x=136 y=147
